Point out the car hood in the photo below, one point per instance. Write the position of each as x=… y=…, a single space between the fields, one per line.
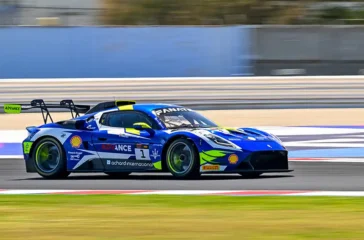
x=246 y=138
x=241 y=134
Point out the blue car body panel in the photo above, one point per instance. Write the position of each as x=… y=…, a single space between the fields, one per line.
x=99 y=148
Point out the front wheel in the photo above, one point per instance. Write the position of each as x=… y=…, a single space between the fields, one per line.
x=49 y=159
x=182 y=159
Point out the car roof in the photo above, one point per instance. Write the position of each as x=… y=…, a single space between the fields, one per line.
x=149 y=107
x=143 y=107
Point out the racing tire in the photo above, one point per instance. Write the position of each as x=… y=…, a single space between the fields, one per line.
x=250 y=175
x=50 y=159
x=118 y=175
x=182 y=159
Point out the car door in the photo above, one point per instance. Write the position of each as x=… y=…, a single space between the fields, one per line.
x=120 y=146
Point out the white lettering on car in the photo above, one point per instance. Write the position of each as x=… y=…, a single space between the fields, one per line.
x=167 y=110
x=123 y=148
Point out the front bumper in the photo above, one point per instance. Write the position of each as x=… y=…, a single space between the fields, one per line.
x=265 y=160
x=260 y=162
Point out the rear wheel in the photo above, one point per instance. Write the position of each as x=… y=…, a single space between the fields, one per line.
x=250 y=175
x=182 y=159
x=118 y=174
x=49 y=159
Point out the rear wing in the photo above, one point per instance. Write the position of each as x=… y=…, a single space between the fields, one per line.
x=40 y=104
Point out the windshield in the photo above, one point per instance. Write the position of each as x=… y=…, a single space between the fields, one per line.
x=174 y=118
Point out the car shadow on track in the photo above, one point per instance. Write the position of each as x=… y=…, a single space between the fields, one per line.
x=158 y=177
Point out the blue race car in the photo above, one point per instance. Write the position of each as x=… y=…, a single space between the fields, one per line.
x=121 y=137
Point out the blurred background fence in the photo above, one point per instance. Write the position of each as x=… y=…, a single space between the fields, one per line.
x=308 y=50
x=85 y=52
x=263 y=38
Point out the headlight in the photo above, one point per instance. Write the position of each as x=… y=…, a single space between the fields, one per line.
x=220 y=141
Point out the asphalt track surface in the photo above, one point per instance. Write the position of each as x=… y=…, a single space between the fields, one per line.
x=306 y=176
x=322 y=176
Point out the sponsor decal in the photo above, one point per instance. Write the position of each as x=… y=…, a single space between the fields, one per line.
x=234 y=139
x=128 y=163
x=107 y=147
x=251 y=138
x=26 y=147
x=155 y=154
x=168 y=110
x=116 y=147
x=76 y=141
x=75 y=156
x=142 y=146
x=123 y=148
x=233 y=159
x=211 y=167
x=12 y=108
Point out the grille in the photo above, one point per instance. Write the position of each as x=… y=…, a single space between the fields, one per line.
x=245 y=166
x=269 y=160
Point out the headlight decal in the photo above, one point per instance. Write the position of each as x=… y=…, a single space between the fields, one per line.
x=220 y=141
x=215 y=141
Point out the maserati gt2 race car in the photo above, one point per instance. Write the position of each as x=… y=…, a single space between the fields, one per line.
x=121 y=137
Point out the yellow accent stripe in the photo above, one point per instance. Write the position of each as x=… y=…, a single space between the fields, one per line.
x=132 y=131
x=126 y=107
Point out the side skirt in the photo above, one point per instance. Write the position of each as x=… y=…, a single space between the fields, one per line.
x=116 y=165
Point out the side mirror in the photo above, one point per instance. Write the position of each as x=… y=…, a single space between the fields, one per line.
x=143 y=126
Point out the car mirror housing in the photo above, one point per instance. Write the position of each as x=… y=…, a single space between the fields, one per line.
x=144 y=126
x=141 y=126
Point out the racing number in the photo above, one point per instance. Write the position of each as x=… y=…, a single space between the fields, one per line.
x=142 y=154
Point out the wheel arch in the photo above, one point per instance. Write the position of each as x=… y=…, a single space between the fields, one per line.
x=169 y=142
x=31 y=152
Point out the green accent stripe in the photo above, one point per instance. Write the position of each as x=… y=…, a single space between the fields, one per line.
x=158 y=165
x=211 y=156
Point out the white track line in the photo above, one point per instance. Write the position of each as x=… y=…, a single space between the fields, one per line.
x=337 y=160
x=11 y=156
x=168 y=79
x=189 y=192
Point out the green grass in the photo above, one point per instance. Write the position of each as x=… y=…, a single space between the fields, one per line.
x=179 y=217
